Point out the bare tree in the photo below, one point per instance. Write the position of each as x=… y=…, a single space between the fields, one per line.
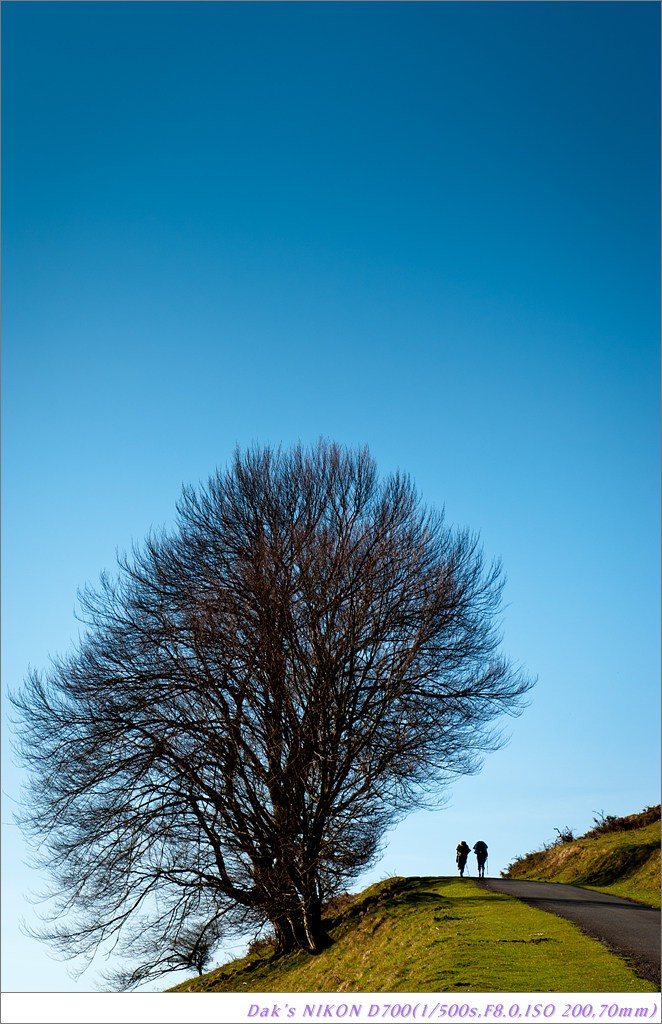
x=258 y=696
x=189 y=946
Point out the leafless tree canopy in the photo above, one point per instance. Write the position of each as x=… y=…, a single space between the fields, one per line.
x=258 y=696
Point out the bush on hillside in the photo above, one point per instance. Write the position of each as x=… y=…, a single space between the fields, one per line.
x=609 y=823
x=604 y=824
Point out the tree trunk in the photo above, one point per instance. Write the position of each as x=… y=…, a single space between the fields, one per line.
x=301 y=929
x=285 y=940
x=313 y=934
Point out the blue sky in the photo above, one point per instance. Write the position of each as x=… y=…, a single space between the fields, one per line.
x=431 y=228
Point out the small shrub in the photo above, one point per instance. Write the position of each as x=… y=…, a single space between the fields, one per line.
x=565 y=836
x=604 y=823
x=336 y=905
x=266 y=944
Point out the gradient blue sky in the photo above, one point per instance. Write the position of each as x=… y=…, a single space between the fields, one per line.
x=431 y=228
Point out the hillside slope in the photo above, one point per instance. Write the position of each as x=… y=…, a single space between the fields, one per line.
x=434 y=935
x=620 y=856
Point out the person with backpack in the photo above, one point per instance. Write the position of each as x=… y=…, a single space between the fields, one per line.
x=480 y=849
x=462 y=851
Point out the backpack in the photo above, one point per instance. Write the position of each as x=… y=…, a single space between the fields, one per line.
x=480 y=847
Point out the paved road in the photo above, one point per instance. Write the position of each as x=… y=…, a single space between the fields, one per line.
x=629 y=929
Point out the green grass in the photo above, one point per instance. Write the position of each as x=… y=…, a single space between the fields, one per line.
x=624 y=863
x=435 y=935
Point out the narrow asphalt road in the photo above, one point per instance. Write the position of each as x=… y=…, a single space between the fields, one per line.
x=629 y=929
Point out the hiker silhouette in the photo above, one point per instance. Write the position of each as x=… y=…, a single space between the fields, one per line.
x=480 y=849
x=462 y=851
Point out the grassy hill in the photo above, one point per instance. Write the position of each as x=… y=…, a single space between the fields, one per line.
x=433 y=935
x=619 y=856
